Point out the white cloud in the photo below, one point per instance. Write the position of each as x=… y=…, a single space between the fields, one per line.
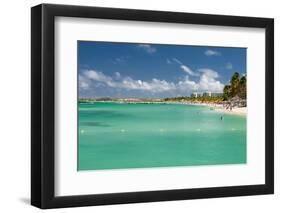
x=207 y=82
x=83 y=84
x=177 y=61
x=98 y=76
x=228 y=66
x=188 y=70
x=187 y=85
x=168 y=61
x=184 y=67
x=212 y=53
x=148 y=48
x=120 y=60
x=155 y=85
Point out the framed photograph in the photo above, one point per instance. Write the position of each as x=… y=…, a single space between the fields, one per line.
x=136 y=106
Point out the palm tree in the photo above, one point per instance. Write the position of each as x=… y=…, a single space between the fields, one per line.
x=243 y=87
x=237 y=87
x=226 y=92
x=235 y=81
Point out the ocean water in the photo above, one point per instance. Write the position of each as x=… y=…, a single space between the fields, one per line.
x=120 y=135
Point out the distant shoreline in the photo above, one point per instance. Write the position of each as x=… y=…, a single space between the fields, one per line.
x=219 y=107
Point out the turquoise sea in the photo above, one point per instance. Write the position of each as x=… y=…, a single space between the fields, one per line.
x=121 y=135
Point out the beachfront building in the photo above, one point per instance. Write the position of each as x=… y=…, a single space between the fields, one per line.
x=194 y=95
x=212 y=94
x=207 y=94
x=216 y=94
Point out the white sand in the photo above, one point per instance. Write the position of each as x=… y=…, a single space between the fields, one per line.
x=234 y=111
x=220 y=108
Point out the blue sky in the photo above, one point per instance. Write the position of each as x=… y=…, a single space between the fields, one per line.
x=131 y=70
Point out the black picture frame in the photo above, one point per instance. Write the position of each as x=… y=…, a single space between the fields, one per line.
x=43 y=102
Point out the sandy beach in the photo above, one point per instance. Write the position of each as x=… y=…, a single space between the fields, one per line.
x=220 y=108
x=234 y=111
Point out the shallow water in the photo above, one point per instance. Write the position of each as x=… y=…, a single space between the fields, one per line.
x=115 y=136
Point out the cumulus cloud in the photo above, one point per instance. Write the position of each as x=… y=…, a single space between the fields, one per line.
x=187 y=85
x=98 y=76
x=212 y=53
x=148 y=48
x=83 y=83
x=155 y=85
x=207 y=82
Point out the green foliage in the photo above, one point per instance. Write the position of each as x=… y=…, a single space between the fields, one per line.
x=238 y=86
x=243 y=87
x=226 y=92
